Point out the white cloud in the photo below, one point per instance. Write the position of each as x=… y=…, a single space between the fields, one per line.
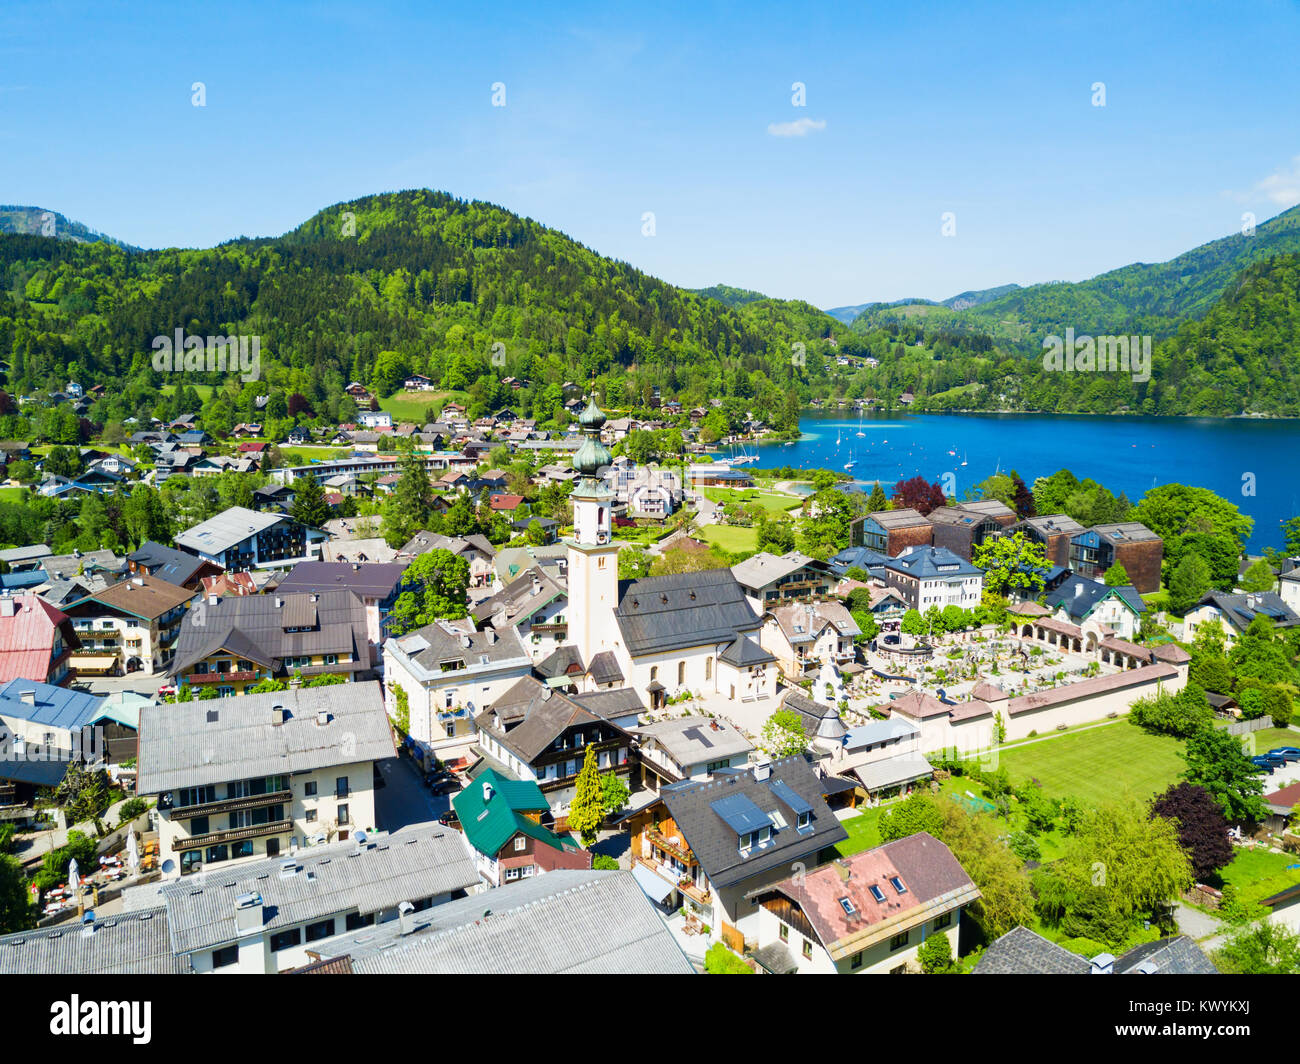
x=1282 y=186
x=801 y=128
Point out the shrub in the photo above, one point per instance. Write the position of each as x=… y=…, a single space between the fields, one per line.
x=721 y=961
x=130 y=809
x=1024 y=846
x=601 y=861
x=935 y=955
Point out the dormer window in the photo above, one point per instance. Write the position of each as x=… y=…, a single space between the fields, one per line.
x=805 y=820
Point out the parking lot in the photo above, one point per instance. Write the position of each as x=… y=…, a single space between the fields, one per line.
x=404 y=799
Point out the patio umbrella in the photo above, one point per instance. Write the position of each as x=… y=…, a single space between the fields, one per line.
x=132 y=852
x=74 y=882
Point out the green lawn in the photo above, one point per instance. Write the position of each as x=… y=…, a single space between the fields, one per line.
x=731 y=538
x=864 y=832
x=204 y=391
x=410 y=406
x=1098 y=764
x=11 y=494
x=772 y=502
x=1258 y=874
x=1269 y=738
x=304 y=455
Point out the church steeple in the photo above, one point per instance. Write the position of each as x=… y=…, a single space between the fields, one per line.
x=593 y=553
x=592 y=456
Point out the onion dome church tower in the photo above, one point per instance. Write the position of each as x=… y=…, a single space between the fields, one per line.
x=593 y=554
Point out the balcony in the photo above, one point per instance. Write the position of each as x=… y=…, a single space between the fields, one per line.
x=221 y=677
x=253 y=831
x=678 y=849
x=231 y=805
x=667 y=873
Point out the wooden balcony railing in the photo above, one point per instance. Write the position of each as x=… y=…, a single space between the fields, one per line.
x=231 y=805
x=221 y=677
x=253 y=831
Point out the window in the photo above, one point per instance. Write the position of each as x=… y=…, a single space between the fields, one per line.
x=521 y=843
x=847 y=905
x=855 y=962
x=311 y=816
x=341 y=787
x=331 y=659
x=899 y=940
x=807 y=948
x=942 y=921
x=877 y=893
x=785 y=933
x=309 y=789
x=218 y=853
x=681 y=672
x=241 y=849
x=191 y=861
x=356 y=921
x=343 y=815
x=805 y=820
x=320 y=929
x=898 y=884
x=199 y=825
x=225 y=957
x=708 y=668
x=285 y=939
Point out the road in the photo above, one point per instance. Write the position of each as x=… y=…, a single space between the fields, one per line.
x=404 y=799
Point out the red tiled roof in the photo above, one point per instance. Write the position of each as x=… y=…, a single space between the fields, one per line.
x=1286 y=797
x=918 y=706
x=27 y=639
x=506 y=502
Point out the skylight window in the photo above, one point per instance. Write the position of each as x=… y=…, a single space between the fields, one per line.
x=877 y=893
x=847 y=906
x=778 y=821
x=898 y=884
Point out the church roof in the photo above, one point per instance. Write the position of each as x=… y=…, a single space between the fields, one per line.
x=668 y=613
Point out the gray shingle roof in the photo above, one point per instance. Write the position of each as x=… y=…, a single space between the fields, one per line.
x=367 y=579
x=133 y=943
x=615 y=702
x=340 y=628
x=1024 y=952
x=716 y=846
x=563 y=922
x=665 y=613
x=181 y=747
x=1168 y=956
x=542 y=714
x=689 y=740
x=1078 y=596
x=420 y=861
x=226 y=529
x=167 y=563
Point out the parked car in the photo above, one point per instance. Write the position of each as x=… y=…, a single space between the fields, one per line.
x=167 y=690
x=1265 y=764
x=1287 y=753
x=449 y=819
x=445 y=787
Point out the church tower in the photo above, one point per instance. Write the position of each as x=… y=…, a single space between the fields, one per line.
x=593 y=554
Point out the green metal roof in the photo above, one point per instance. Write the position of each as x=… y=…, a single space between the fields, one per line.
x=490 y=825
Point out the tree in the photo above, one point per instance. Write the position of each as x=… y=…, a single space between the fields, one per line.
x=1116 y=576
x=1182 y=714
x=16 y=912
x=1202 y=827
x=1189 y=583
x=1264 y=948
x=913 y=623
x=1005 y=900
x=406 y=510
x=63 y=462
x=434 y=587
x=1120 y=867
x=1012 y=563
x=614 y=792
x=877 y=500
x=83 y=793
x=718 y=960
x=919 y=494
x=935 y=954
x=920 y=812
x=1215 y=761
x=401 y=709
x=587 y=810
x=783 y=734
x=1022 y=499
x=309 y=505
x=1259 y=577
x=534 y=534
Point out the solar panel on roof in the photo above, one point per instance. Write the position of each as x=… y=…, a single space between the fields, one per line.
x=697 y=735
x=790 y=796
x=740 y=814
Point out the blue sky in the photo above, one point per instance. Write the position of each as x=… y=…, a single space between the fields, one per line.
x=916 y=110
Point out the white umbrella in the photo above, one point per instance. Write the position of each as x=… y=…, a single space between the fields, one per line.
x=74 y=883
x=132 y=852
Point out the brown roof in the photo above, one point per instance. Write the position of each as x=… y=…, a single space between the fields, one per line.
x=905 y=517
x=1094 y=686
x=988 y=692
x=1125 y=647
x=1172 y=653
x=918 y=706
x=971 y=710
x=1284 y=798
x=143 y=596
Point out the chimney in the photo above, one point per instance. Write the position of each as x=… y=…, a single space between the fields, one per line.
x=279 y=714
x=492 y=636
x=406 y=914
x=1078 y=589
x=1103 y=964
x=322 y=718
x=88 y=924
x=288 y=868
x=487 y=791
x=138 y=581
x=28 y=697
x=248 y=913
x=762 y=770
x=213 y=599
x=279 y=603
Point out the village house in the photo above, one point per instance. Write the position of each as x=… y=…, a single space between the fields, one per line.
x=686 y=748
x=239 y=538
x=1052 y=532
x=167 y=563
x=376 y=584
x=865 y=914
x=934 y=576
x=1078 y=600
x=261 y=775
x=1130 y=543
x=801 y=636
x=890 y=532
x=129 y=626
x=503 y=822
x=713 y=844
x=1235 y=612
x=36 y=641
x=237 y=642
x=964 y=527
x=768 y=579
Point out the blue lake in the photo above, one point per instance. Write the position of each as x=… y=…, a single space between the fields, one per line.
x=1128 y=454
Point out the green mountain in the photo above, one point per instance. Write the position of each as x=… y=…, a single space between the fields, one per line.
x=733 y=297
x=962 y=301
x=36 y=221
x=388 y=285
x=1144 y=299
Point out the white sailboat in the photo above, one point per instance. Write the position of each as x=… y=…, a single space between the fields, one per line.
x=860 y=433
x=963 y=458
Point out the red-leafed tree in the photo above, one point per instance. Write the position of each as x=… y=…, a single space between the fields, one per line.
x=298 y=403
x=1202 y=827
x=1022 y=498
x=919 y=494
x=6 y=403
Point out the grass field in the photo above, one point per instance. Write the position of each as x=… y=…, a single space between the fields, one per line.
x=1258 y=874
x=1098 y=764
x=410 y=406
x=204 y=391
x=305 y=455
x=864 y=833
x=731 y=537
x=11 y=494
x=1269 y=738
x=769 y=501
